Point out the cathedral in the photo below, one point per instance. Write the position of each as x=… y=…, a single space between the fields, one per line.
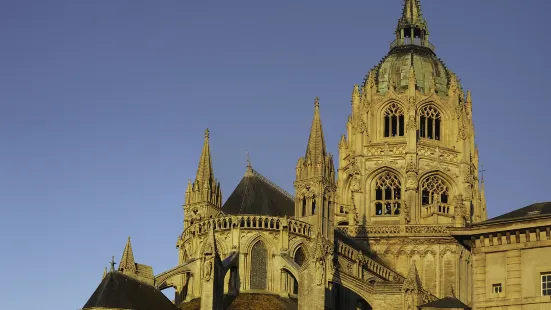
x=400 y=222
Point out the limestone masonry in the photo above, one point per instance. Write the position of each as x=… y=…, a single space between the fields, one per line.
x=400 y=224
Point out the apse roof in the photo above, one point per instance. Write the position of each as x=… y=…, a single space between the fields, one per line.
x=255 y=194
x=445 y=303
x=533 y=210
x=119 y=291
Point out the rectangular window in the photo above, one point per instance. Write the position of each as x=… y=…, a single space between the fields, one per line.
x=546 y=284
x=496 y=288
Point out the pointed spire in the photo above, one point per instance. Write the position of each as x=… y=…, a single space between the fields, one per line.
x=412 y=11
x=412 y=281
x=316 y=151
x=205 y=173
x=127 y=261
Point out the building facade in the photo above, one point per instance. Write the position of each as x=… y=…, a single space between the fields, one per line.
x=386 y=228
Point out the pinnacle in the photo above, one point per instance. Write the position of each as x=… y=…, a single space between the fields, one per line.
x=127 y=260
x=204 y=170
x=412 y=281
x=315 y=151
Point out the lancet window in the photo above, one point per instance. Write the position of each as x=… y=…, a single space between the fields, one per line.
x=388 y=195
x=259 y=266
x=429 y=123
x=394 y=121
x=300 y=256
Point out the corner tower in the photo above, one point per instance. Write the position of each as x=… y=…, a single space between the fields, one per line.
x=203 y=196
x=315 y=181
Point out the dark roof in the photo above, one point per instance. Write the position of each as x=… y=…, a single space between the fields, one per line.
x=257 y=195
x=249 y=301
x=533 y=210
x=446 y=303
x=119 y=291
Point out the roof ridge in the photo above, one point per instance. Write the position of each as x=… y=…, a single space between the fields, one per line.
x=272 y=184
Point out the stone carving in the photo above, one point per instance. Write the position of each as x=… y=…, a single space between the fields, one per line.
x=411 y=167
x=427 y=229
x=320 y=270
x=208 y=270
x=355 y=184
x=407 y=212
x=412 y=123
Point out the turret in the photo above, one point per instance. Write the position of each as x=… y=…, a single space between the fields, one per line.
x=315 y=181
x=203 y=196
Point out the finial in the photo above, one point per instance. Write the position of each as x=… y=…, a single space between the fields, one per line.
x=207 y=133
x=469 y=98
x=104 y=272
x=248 y=159
x=112 y=263
x=317 y=102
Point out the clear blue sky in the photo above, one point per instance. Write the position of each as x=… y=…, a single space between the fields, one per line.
x=103 y=105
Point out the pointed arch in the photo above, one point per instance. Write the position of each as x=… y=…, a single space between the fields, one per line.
x=430 y=122
x=386 y=194
x=259 y=266
x=435 y=195
x=392 y=117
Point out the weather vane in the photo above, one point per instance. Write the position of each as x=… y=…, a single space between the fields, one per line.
x=248 y=159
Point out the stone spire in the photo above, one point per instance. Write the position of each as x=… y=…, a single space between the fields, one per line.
x=316 y=151
x=205 y=173
x=411 y=12
x=127 y=262
x=315 y=180
x=203 y=196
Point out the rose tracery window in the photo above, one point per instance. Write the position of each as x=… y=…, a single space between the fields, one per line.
x=429 y=123
x=388 y=194
x=394 y=121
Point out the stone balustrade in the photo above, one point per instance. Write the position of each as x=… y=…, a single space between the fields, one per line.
x=439 y=209
x=397 y=230
x=249 y=222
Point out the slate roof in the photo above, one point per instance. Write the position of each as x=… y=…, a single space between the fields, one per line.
x=445 y=303
x=248 y=301
x=119 y=291
x=255 y=194
x=533 y=210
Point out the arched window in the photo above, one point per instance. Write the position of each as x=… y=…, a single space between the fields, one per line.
x=300 y=256
x=394 y=121
x=303 y=206
x=388 y=195
x=434 y=190
x=313 y=205
x=259 y=266
x=429 y=123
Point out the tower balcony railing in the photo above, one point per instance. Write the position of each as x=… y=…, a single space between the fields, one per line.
x=409 y=41
x=439 y=209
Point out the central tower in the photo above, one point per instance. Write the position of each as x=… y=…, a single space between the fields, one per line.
x=408 y=163
x=409 y=156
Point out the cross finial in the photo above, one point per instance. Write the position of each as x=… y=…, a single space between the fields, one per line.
x=112 y=263
x=482 y=172
x=249 y=164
